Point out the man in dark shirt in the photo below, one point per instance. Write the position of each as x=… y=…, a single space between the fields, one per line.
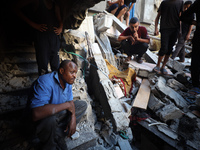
x=195 y=64
x=185 y=35
x=134 y=39
x=169 y=11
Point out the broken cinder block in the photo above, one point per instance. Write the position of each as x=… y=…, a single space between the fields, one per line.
x=169 y=112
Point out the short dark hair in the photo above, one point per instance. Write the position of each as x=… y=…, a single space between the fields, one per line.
x=188 y=3
x=134 y=20
x=64 y=63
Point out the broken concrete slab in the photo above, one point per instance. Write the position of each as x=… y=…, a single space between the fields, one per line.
x=88 y=26
x=104 y=23
x=108 y=49
x=170 y=93
x=174 y=84
x=178 y=66
x=169 y=112
x=154 y=103
x=124 y=144
x=168 y=132
x=86 y=140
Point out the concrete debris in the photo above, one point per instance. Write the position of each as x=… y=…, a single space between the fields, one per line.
x=169 y=112
x=108 y=109
x=154 y=103
x=124 y=144
x=170 y=93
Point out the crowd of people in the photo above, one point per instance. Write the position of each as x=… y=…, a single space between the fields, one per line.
x=53 y=110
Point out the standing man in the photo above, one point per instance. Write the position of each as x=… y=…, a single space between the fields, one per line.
x=134 y=39
x=195 y=64
x=185 y=35
x=53 y=110
x=46 y=22
x=169 y=11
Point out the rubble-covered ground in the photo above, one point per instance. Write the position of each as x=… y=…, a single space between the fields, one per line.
x=165 y=116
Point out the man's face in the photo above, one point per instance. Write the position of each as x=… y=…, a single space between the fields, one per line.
x=69 y=73
x=134 y=27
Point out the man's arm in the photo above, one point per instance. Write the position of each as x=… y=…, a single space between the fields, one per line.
x=131 y=7
x=121 y=38
x=140 y=39
x=189 y=32
x=156 y=32
x=60 y=28
x=17 y=9
x=51 y=109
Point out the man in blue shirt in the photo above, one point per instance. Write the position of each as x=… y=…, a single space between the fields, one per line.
x=53 y=108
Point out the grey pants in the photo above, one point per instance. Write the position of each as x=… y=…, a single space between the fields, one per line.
x=50 y=129
x=180 y=49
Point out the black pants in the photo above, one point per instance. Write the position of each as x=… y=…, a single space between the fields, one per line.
x=50 y=129
x=195 y=64
x=47 y=45
x=139 y=48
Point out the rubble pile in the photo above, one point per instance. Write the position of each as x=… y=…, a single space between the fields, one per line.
x=161 y=104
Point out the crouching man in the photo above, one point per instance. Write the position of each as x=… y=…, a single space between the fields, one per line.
x=134 y=39
x=54 y=112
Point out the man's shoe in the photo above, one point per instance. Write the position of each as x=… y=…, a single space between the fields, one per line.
x=139 y=60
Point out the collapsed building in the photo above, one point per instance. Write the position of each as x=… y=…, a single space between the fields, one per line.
x=129 y=106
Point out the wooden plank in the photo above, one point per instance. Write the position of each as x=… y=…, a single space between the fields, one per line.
x=142 y=97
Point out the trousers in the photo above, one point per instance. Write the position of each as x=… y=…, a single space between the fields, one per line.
x=50 y=129
x=47 y=45
x=139 y=48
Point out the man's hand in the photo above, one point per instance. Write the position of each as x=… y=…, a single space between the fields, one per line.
x=39 y=27
x=187 y=37
x=136 y=36
x=156 y=32
x=132 y=40
x=57 y=30
x=71 y=126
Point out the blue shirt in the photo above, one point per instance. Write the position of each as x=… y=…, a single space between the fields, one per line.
x=48 y=90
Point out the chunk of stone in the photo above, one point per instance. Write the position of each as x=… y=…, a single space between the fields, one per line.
x=170 y=93
x=174 y=84
x=175 y=65
x=154 y=103
x=143 y=73
x=104 y=23
x=75 y=136
x=169 y=112
x=121 y=120
x=124 y=144
x=197 y=100
x=17 y=82
x=167 y=132
x=86 y=140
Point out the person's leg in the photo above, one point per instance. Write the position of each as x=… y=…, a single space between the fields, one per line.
x=182 y=54
x=139 y=49
x=120 y=12
x=54 y=48
x=42 y=52
x=113 y=8
x=126 y=46
x=179 y=47
x=46 y=132
x=80 y=108
x=173 y=35
x=127 y=18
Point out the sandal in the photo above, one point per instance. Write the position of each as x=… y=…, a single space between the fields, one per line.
x=163 y=71
x=156 y=69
